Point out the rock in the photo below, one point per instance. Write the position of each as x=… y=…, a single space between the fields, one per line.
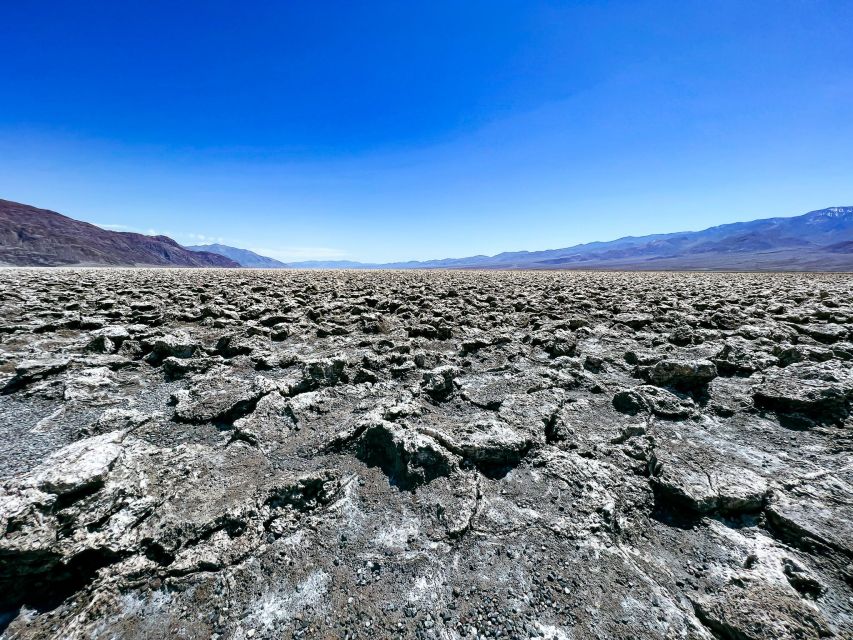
x=641 y=359
x=491 y=443
x=682 y=374
x=486 y=390
x=30 y=371
x=593 y=364
x=324 y=372
x=738 y=357
x=93 y=385
x=634 y=320
x=707 y=487
x=473 y=344
x=218 y=396
x=177 y=368
x=557 y=343
x=408 y=458
x=651 y=399
x=236 y=345
x=843 y=350
x=178 y=344
x=799 y=578
x=820 y=392
x=682 y=336
x=274 y=319
x=363 y=375
x=742 y=612
x=438 y=382
x=431 y=332
x=826 y=333
x=726 y=320
x=789 y=354
x=814 y=517
x=107 y=340
x=124 y=420
x=305 y=492
x=101 y=344
x=79 y=466
x=270 y=423
x=131 y=349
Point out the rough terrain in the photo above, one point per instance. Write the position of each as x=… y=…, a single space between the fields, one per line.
x=277 y=454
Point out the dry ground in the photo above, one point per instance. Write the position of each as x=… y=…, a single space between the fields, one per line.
x=267 y=454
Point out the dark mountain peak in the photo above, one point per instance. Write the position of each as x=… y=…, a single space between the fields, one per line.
x=166 y=240
x=30 y=236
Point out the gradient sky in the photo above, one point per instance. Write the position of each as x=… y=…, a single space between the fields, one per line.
x=381 y=131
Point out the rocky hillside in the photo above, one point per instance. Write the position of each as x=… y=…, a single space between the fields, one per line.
x=40 y=238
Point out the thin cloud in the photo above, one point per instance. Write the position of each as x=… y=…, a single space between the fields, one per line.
x=204 y=238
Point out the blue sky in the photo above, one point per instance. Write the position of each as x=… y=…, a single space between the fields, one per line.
x=382 y=131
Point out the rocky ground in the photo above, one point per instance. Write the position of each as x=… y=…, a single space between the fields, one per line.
x=248 y=454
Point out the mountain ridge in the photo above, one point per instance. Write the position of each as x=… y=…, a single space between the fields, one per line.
x=30 y=236
x=820 y=240
x=243 y=257
x=808 y=242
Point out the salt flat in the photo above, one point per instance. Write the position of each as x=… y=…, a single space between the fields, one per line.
x=430 y=454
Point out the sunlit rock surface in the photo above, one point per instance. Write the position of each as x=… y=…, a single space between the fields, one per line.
x=277 y=454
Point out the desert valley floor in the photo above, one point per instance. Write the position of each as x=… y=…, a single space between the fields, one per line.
x=276 y=454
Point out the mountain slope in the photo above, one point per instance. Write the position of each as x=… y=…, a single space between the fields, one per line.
x=37 y=237
x=797 y=243
x=243 y=257
x=816 y=241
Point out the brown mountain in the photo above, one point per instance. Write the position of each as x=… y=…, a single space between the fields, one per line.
x=37 y=237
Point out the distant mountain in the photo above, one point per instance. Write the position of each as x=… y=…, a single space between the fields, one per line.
x=335 y=264
x=38 y=237
x=243 y=257
x=817 y=241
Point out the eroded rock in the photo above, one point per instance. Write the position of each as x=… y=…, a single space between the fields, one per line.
x=821 y=392
x=317 y=454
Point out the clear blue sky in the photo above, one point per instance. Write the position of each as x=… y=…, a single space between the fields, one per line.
x=393 y=130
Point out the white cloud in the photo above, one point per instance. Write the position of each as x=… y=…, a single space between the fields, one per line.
x=203 y=238
x=299 y=254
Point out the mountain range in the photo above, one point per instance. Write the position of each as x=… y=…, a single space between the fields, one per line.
x=820 y=240
x=41 y=238
x=243 y=257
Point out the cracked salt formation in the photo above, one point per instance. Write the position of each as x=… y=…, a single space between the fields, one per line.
x=233 y=454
